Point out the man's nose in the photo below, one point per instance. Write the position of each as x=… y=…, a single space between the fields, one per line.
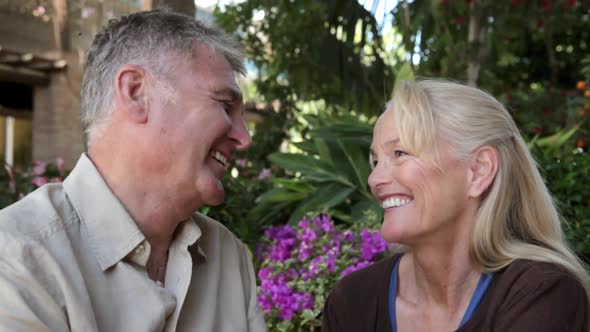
x=241 y=135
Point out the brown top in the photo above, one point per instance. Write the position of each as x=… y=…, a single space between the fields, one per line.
x=525 y=296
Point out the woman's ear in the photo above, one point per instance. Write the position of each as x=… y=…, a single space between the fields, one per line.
x=130 y=93
x=482 y=169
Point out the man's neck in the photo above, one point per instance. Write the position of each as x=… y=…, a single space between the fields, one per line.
x=152 y=210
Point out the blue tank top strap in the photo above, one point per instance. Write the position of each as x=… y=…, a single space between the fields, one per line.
x=393 y=294
x=478 y=294
x=480 y=291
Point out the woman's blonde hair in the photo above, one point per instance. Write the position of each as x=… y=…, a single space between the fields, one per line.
x=517 y=218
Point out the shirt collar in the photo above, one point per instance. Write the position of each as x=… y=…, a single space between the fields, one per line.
x=112 y=233
x=186 y=236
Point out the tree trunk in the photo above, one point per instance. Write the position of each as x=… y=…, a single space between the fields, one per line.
x=549 y=46
x=406 y=36
x=474 y=43
x=183 y=6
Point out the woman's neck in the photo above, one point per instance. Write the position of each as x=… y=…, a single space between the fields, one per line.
x=438 y=278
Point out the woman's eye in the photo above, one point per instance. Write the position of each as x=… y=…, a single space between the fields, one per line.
x=372 y=162
x=400 y=153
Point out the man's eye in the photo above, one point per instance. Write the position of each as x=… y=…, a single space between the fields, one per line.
x=227 y=107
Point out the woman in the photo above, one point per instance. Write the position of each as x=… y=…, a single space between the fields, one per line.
x=484 y=249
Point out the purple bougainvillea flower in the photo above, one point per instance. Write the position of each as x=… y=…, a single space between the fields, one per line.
x=300 y=264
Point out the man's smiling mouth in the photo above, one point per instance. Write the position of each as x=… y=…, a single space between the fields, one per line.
x=220 y=158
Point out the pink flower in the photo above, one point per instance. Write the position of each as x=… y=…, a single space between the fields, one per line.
x=265 y=173
x=39 y=168
x=39 y=180
x=87 y=12
x=242 y=162
x=60 y=165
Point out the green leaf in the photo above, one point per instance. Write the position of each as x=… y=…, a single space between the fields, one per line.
x=405 y=73
x=558 y=139
x=280 y=195
x=322 y=200
x=358 y=163
x=309 y=167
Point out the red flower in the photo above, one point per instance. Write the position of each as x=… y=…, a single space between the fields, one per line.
x=571 y=3
x=546 y=5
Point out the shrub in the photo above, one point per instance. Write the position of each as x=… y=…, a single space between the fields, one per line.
x=300 y=264
x=567 y=174
x=16 y=183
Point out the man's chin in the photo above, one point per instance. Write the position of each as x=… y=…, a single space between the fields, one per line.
x=216 y=198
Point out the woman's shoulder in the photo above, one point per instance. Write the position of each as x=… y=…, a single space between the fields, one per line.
x=533 y=296
x=531 y=274
x=359 y=301
x=370 y=279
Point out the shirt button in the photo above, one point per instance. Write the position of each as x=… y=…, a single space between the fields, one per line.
x=140 y=250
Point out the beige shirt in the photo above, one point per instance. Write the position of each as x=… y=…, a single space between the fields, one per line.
x=72 y=259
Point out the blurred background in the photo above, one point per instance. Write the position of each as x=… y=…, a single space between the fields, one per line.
x=319 y=73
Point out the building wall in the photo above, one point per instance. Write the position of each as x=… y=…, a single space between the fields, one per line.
x=23 y=129
x=56 y=116
x=64 y=33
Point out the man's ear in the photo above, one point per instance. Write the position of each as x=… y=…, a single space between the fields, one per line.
x=130 y=92
x=482 y=169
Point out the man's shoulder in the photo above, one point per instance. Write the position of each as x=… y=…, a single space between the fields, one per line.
x=214 y=231
x=39 y=214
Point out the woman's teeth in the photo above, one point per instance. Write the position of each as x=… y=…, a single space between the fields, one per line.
x=395 y=202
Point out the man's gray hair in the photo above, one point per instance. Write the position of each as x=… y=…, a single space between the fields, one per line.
x=143 y=39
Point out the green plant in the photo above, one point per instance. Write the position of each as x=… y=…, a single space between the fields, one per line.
x=567 y=174
x=15 y=183
x=300 y=264
x=328 y=175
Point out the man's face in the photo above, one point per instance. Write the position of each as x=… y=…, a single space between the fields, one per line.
x=196 y=124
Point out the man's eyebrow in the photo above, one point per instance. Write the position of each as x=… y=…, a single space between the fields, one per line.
x=233 y=94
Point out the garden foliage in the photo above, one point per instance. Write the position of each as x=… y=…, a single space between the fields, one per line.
x=328 y=175
x=300 y=264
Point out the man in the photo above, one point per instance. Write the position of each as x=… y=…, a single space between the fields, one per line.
x=118 y=246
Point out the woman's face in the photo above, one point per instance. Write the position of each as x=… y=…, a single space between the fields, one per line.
x=421 y=202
